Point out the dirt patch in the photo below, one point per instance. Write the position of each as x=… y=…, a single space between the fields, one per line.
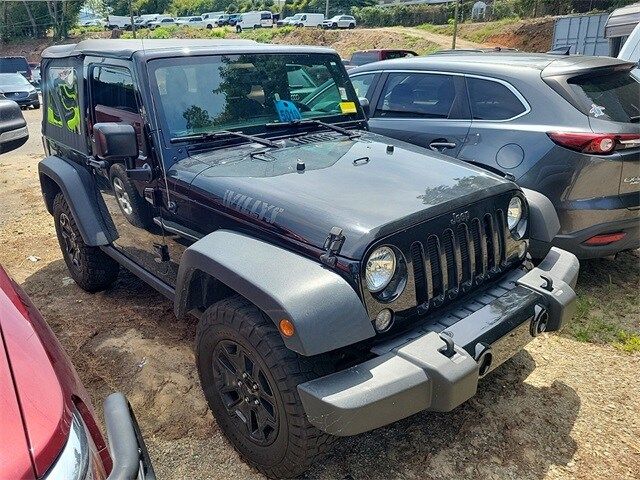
x=561 y=409
x=345 y=42
x=530 y=36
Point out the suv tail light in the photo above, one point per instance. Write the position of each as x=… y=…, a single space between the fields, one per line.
x=604 y=239
x=595 y=143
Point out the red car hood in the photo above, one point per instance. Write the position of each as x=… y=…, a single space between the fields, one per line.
x=34 y=414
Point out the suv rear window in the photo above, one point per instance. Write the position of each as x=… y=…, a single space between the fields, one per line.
x=13 y=65
x=615 y=97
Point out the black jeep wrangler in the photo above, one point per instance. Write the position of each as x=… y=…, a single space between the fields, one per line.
x=342 y=280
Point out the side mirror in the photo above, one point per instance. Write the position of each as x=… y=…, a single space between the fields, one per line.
x=113 y=141
x=13 y=127
x=364 y=103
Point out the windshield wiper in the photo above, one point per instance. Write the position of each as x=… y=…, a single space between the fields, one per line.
x=313 y=121
x=635 y=119
x=225 y=133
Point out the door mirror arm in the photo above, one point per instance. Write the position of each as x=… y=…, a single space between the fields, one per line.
x=366 y=107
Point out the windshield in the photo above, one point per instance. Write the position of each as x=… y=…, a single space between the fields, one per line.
x=200 y=95
x=12 y=80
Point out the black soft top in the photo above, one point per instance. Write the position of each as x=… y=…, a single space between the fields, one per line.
x=174 y=47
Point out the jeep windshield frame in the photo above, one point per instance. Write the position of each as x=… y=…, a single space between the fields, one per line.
x=197 y=96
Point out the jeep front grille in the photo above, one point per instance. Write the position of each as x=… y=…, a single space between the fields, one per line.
x=455 y=260
x=449 y=255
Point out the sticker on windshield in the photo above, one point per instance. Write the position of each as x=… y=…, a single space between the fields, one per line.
x=343 y=93
x=596 y=110
x=287 y=111
x=348 y=107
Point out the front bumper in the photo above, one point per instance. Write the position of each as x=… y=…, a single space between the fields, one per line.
x=129 y=453
x=437 y=366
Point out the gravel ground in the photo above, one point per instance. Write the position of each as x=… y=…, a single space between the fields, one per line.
x=561 y=409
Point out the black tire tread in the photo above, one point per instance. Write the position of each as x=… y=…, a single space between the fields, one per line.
x=306 y=443
x=97 y=270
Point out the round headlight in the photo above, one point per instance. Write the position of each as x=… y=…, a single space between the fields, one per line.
x=380 y=268
x=514 y=212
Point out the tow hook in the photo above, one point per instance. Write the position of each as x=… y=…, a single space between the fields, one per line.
x=539 y=322
x=484 y=358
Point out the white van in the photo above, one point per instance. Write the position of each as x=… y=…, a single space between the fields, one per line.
x=307 y=20
x=255 y=20
x=118 y=21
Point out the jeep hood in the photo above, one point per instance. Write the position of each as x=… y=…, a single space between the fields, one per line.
x=370 y=187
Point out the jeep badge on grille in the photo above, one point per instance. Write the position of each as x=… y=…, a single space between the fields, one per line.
x=460 y=217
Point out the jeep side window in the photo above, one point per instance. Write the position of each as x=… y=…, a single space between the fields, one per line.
x=491 y=100
x=62 y=102
x=114 y=99
x=421 y=95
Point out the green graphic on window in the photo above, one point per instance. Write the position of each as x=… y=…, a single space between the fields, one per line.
x=62 y=104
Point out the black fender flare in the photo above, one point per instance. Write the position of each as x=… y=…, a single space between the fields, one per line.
x=325 y=310
x=544 y=224
x=78 y=187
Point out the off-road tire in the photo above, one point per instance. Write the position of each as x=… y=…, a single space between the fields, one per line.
x=140 y=215
x=93 y=269
x=297 y=444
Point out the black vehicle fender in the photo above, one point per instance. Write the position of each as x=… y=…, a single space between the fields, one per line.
x=78 y=187
x=544 y=224
x=325 y=310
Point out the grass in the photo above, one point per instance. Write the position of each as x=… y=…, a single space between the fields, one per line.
x=474 y=32
x=608 y=306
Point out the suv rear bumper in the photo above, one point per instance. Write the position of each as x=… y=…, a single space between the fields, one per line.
x=414 y=372
x=574 y=242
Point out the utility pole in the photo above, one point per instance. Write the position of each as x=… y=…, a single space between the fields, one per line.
x=326 y=10
x=455 y=24
x=5 y=35
x=133 y=25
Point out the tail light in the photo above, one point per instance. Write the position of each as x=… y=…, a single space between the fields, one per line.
x=595 y=143
x=604 y=239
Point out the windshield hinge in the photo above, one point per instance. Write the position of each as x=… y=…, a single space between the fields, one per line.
x=332 y=246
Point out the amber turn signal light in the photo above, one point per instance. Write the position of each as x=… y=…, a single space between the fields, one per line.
x=286 y=328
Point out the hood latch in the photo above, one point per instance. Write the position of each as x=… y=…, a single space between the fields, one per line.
x=332 y=246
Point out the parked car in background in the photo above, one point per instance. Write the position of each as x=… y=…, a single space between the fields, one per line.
x=307 y=20
x=13 y=127
x=48 y=423
x=630 y=50
x=17 y=88
x=162 y=22
x=209 y=15
x=283 y=21
x=340 y=21
x=193 y=22
x=118 y=21
x=93 y=22
x=16 y=65
x=362 y=57
x=35 y=74
x=565 y=126
x=143 y=21
x=255 y=20
x=217 y=21
x=233 y=19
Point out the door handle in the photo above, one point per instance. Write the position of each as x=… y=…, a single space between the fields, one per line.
x=437 y=145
